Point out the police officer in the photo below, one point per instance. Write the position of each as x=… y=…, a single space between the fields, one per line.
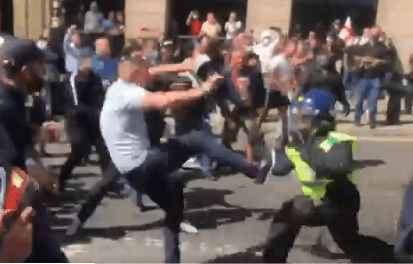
x=87 y=94
x=327 y=199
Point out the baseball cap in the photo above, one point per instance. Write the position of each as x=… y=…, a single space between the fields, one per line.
x=337 y=22
x=266 y=34
x=21 y=52
x=133 y=53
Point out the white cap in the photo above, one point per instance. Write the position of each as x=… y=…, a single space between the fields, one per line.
x=348 y=22
x=266 y=34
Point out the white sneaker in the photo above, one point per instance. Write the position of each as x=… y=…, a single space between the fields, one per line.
x=192 y=163
x=188 y=228
x=72 y=229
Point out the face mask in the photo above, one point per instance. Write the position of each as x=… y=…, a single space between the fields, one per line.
x=266 y=42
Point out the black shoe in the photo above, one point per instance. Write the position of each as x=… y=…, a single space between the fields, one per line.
x=373 y=125
x=264 y=169
x=357 y=122
x=346 y=109
x=62 y=185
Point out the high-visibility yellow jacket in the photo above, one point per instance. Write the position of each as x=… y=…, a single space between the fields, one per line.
x=313 y=186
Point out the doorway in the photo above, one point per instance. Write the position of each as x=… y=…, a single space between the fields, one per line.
x=6 y=16
x=307 y=15
x=180 y=9
x=73 y=8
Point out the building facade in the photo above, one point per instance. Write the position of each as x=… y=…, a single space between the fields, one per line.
x=31 y=17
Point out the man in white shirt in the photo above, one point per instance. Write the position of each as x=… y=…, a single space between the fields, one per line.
x=232 y=26
x=149 y=170
x=281 y=81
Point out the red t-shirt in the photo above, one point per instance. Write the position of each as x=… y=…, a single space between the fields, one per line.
x=196 y=27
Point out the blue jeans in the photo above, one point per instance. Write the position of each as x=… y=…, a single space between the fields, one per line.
x=206 y=163
x=368 y=89
x=350 y=82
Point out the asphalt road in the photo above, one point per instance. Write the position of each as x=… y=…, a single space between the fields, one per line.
x=232 y=214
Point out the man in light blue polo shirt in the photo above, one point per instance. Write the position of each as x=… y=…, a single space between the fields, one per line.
x=103 y=64
x=74 y=50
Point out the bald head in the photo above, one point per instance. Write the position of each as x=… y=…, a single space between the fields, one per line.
x=211 y=18
x=134 y=69
x=103 y=46
x=243 y=41
x=376 y=32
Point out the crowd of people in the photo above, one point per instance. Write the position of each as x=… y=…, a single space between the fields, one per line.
x=117 y=102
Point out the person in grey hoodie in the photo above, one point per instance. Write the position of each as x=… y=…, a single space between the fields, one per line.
x=74 y=50
x=94 y=19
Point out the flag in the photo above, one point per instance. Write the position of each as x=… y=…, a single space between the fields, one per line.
x=347 y=33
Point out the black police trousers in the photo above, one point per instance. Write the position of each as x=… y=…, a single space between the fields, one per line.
x=338 y=212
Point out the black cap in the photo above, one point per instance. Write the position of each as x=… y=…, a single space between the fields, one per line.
x=131 y=53
x=21 y=52
x=167 y=43
x=128 y=51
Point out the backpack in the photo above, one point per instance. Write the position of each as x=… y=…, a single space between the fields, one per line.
x=329 y=157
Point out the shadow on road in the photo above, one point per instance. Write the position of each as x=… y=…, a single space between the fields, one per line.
x=115 y=233
x=251 y=255
x=362 y=164
x=210 y=218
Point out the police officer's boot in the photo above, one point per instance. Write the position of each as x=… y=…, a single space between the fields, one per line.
x=270 y=256
x=372 y=122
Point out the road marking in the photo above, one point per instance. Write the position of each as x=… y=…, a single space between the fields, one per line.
x=71 y=250
x=385 y=139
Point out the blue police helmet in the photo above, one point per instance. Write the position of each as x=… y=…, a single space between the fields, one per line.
x=321 y=99
x=302 y=114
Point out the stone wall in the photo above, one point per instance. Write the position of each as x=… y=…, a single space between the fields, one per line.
x=396 y=19
x=150 y=14
x=262 y=14
x=31 y=17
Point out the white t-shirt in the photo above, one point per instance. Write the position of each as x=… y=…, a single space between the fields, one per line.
x=280 y=65
x=232 y=29
x=123 y=126
x=281 y=68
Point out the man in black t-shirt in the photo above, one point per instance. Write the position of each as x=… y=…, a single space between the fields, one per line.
x=373 y=61
x=24 y=68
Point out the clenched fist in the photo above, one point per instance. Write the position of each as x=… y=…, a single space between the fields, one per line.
x=18 y=242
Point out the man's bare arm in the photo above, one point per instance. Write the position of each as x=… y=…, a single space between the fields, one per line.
x=162 y=100
x=171 y=68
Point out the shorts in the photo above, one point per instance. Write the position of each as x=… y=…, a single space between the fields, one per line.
x=277 y=135
x=249 y=126
x=274 y=99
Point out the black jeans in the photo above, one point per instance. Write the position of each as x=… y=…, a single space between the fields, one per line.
x=394 y=108
x=110 y=176
x=178 y=151
x=84 y=132
x=338 y=212
x=156 y=178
